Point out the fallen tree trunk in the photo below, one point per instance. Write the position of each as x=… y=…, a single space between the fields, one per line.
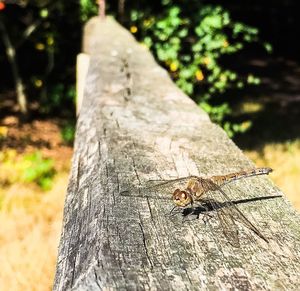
x=135 y=125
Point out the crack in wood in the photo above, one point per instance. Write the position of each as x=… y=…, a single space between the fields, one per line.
x=145 y=245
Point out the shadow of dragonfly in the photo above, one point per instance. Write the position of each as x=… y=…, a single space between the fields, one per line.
x=196 y=195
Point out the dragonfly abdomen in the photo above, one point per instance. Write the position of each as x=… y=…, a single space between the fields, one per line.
x=224 y=179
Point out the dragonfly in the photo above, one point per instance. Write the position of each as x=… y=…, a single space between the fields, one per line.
x=193 y=192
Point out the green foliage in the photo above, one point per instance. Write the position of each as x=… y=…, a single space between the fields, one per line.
x=193 y=46
x=192 y=41
x=88 y=9
x=68 y=133
x=38 y=170
x=58 y=95
x=30 y=168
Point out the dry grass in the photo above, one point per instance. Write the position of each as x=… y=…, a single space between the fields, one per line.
x=29 y=235
x=284 y=158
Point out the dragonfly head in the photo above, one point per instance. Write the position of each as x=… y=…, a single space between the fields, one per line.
x=181 y=198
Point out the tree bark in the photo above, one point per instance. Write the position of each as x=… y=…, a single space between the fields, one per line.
x=11 y=56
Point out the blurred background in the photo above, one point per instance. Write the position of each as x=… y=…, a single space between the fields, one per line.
x=238 y=60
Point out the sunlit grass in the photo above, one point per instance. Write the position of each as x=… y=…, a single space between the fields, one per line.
x=251 y=107
x=284 y=158
x=29 y=234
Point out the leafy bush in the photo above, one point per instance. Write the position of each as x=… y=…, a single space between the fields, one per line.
x=191 y=41
x=38 y=170
x=59 y=94
x=88 y=9
x=30 y=168
x=68 y=133
x=192 y=45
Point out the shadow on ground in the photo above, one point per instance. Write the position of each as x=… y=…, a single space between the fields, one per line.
x=273 y=106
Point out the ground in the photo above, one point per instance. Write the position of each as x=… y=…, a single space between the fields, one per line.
x=273 y=107
x=30 y=217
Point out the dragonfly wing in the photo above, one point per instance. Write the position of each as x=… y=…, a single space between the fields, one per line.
x=229 y=207
x=178 y=182
x=158 y=189
x=227 y=223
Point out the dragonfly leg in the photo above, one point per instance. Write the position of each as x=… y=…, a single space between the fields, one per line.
x=175 y=210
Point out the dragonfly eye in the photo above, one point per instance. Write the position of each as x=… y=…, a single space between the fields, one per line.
x=176 y=194
x=183 y=195
x=181 y=198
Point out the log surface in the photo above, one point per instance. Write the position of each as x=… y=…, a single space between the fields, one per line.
x=136 y=125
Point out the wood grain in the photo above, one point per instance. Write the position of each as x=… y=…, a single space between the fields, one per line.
x=136 y=125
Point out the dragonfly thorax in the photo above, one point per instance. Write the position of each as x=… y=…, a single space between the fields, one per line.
x=182 y=198
x=196 y=188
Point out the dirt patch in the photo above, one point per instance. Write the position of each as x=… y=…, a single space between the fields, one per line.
x=38 y=135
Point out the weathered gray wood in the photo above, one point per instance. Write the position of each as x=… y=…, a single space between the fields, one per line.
x=136 y=125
